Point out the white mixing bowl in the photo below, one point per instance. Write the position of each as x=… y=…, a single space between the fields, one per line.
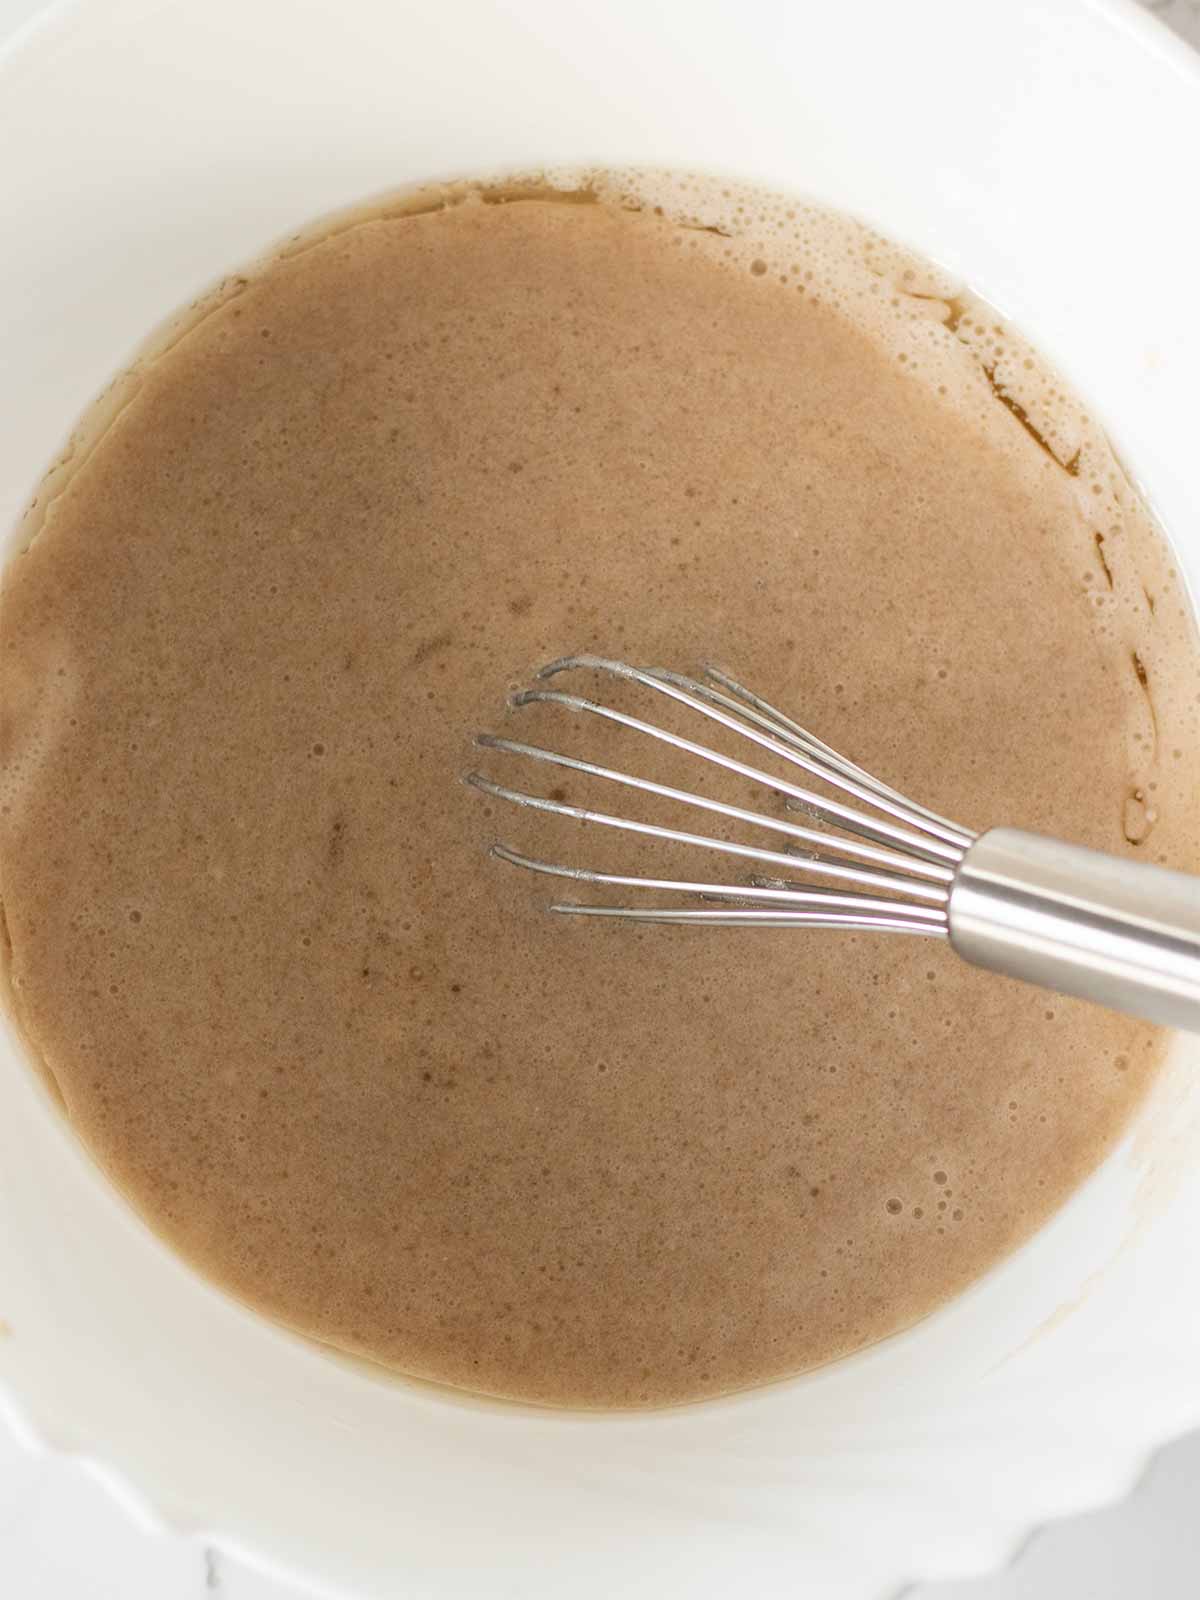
x=1037 y=148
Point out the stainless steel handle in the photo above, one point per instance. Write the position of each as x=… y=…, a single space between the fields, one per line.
x=1082 y=923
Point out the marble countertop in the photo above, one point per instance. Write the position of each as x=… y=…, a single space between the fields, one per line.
x=63 y=1538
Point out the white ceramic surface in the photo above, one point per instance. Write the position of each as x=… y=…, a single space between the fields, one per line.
x=149 y=145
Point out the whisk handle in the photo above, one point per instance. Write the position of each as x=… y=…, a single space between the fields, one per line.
x=1082 y=923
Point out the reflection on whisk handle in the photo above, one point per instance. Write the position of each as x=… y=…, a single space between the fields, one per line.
x=1082 y=923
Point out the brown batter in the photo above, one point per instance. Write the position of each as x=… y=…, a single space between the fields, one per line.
x=343 y=1061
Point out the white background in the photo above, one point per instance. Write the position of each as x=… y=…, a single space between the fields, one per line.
x=62 y=1538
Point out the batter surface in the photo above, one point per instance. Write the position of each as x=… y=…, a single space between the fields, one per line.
x=348 y=1065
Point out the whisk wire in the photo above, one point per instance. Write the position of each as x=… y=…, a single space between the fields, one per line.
x=833 y=813
x=750 y=918
x=809 y=902
x=785 y=728
x=689 y=692
x=893 y=871
x=729 y=847
x=816 y=843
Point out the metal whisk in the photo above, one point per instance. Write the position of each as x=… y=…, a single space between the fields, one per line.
x=1070 y=919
